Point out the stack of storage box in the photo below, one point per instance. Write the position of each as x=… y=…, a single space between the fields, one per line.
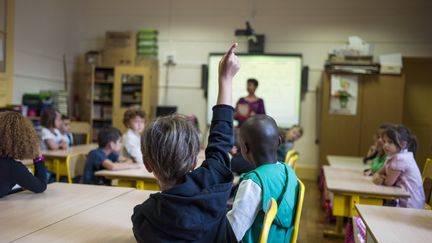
x=147 y=46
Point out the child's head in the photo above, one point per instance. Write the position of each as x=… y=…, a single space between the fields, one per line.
x=294 y=133
x=65 y=127
x=259 y=139
x=379 y=136
x=134 y=119
x=170 y=146
x=252 y=85
x=18 y=137
x=51 y=118
x=397 y=138
x=194 y=121
x=109 y=138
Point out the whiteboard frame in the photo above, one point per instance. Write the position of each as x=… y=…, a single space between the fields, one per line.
x=208 y=118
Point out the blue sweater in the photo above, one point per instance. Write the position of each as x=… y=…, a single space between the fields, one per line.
x=195 y=209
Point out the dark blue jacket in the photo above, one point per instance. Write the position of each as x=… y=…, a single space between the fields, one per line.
x=195 y=209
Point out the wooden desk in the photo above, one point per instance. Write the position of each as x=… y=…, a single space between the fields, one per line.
x=139 y=178
x=106 y=222
x=351 y=187
x=26 y=212
x=389 y=224
x=64 y=162
x=347 y=162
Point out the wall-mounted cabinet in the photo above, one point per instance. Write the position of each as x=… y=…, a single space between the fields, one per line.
x=379 y=98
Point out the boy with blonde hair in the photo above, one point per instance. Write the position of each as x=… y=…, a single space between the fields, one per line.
x=192 y=204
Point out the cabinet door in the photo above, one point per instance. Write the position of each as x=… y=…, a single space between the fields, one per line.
x=7 y=10
x=383 y=100
x=339 y=134
x=132 y=88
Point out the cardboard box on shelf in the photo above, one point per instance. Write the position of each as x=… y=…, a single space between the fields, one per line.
x=390 y=69
x=147 y=62
x=118 y=56
x=120 y=39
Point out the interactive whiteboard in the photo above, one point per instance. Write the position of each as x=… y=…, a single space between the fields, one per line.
x=279 y=78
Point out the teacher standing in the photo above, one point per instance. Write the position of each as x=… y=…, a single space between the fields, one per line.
x=249 y=105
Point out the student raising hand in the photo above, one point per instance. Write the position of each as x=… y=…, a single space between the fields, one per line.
x=228 y=67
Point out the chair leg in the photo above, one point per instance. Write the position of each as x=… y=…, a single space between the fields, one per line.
x=69 y=178
x=57 y=169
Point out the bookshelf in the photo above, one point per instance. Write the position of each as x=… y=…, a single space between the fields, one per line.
x=107 y=92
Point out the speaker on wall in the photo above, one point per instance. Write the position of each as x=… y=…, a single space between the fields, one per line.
x=304 y=79
x=204 y=78
x=256 y=44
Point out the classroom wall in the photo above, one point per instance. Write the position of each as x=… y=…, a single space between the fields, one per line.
x=191 y=29
x=45 y=30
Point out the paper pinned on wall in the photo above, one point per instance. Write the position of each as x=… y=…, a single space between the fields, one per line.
x=344 y=93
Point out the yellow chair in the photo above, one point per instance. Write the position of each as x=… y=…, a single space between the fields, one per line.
x=289 y=154
x=272 y=209
x=300 y=199
x=293 y=161
x=81 y=128
x=427 y=187
x=427 y=169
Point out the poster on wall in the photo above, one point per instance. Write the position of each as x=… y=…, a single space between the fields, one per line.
x=344 y=94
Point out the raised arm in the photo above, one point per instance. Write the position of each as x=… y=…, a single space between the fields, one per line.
x=221 y=136
x=228 y=67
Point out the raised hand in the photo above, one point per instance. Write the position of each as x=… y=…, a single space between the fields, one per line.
x=229 y=65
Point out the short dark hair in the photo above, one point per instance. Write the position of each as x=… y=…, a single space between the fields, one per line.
x=253 y=81
x=107 y=135
x=262 y=135
x=65 y=117
x=48 y=117
x=170 y=145
x=131 y=114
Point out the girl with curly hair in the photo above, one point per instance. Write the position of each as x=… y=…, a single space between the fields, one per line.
x=19 y=141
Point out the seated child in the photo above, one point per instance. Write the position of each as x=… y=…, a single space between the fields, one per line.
x=192 y=204
x=19 y=141
x=288 y=139
x=401 y=169
x=105 y=157
x=376 y=155
x=259 y=141
x=51 y=138
x=65 y=130
x=134 y=120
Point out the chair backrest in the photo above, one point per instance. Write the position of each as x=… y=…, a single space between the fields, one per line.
x=427 y=169
x=427 y=187
x=81 y=128
x=300 y=199
x=293 y=161
x=289 y=154
x=270 y=214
